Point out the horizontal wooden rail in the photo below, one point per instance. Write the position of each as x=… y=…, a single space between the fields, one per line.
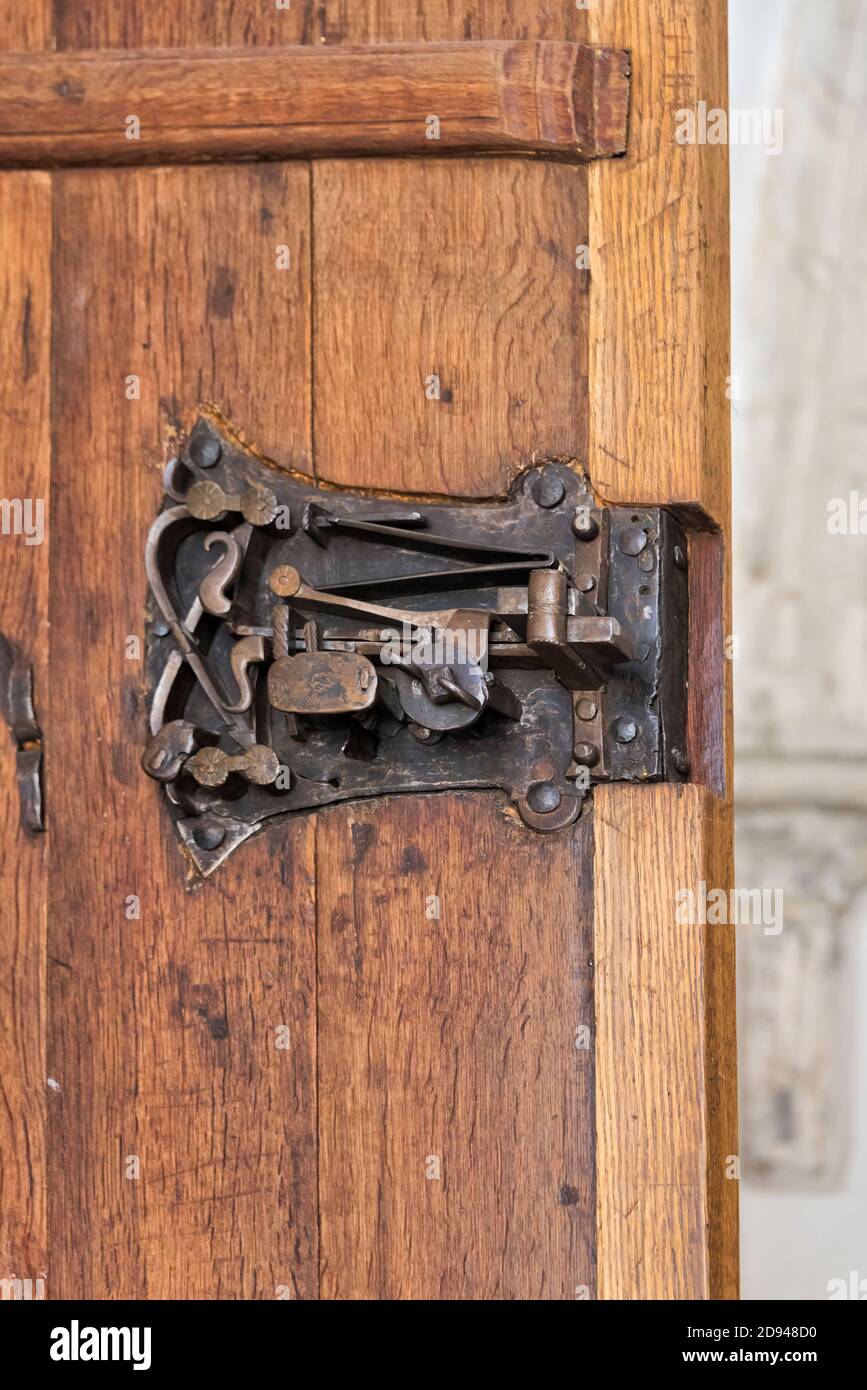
x=554 y=98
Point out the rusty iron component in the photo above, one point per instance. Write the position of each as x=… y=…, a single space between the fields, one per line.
x=207 y=500
x=372 y=650
x=317 y=683
x=245 y=653
x=280 y=630
x=16 y=702
x=211 y=767
x=212 y=590
x=169 y=749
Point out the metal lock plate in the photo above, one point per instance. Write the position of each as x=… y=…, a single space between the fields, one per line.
x=308 y=645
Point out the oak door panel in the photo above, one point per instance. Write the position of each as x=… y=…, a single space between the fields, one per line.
x=449 y=321
x=25 y=473
x=455 y=1068
x=182 y=1138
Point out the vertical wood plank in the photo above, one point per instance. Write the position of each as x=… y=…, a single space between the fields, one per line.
x=450 y=321
x=182 y=1138
x=659 y=432
x=659 y=248
x=25 y=474
x=665 y=1049
x=455 y=1086
x=27 y=28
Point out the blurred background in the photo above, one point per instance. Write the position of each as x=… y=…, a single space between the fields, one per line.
x=799 y=414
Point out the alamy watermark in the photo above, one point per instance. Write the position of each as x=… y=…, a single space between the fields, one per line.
x=704 y=125
x=847 y=516
x=755 y=907
x=430 y=646
x=23 y=516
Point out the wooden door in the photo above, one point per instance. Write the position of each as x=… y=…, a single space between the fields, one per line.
x=295 y=1079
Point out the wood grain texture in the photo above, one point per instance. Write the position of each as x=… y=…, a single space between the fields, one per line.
x=162 y=1035
x=25 y=473
x=665 y=1049
x=458 y=271
x=531 y=98
x=26 y=28
x=659 y=249
x=659 y=433
x=202 y=23
x=455 y=1107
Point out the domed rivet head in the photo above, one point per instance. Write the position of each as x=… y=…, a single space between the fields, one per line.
x=586 y=754
x=624 y=730
x=285 y=581
x=205 y=450
x=584 y=524
x=209 y=836
x=548 y=490
x=543 y=797
x=633 y=540
x=680 y=760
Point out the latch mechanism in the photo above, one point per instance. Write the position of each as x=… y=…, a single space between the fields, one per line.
x=311 y=645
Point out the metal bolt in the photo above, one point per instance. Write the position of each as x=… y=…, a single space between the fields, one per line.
x=420 y=733
x=160 y=628
x=679 y=558
x=205 y=450
x=586 y=710
x=543 y=797
x=285 y=581
x=680 y=760
x=585 y=582
x=633 y=540
x=549 y=490
x=209 y=836
x=586 y=754
x=584 y=524
x=624 y=730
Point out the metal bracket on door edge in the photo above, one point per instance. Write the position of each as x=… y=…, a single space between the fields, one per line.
x=309 y=645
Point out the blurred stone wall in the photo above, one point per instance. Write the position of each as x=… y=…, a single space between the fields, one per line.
x=799 y=404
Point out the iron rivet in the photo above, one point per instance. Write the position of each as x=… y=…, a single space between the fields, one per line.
x=419 y=732
x=680 y=760
x=585 y=526
x=549 y=490
x=543 y=797
x=284 y=581
x=586 y=754
x=624 y=730
x=679 y=558
x=587 y=710
x=205 y=450
x=160 y=629
x=633 y=540
x=585 y=582
x=209 y=836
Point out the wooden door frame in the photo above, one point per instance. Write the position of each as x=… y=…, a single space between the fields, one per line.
x=658 y=434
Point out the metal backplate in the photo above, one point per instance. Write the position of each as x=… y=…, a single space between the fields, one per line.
x=227 y=706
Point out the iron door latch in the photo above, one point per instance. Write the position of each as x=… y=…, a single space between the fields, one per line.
x=16 y=705
x=308 y=645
